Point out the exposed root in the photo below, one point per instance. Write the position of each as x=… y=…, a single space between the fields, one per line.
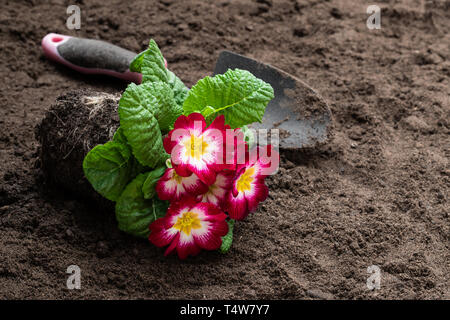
x=77 y=122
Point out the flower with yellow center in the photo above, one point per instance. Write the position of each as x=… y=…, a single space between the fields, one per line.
x=189 y=220
x=171 y=186
x=188 y=227
x=195 y=147
x=248 y=188
x=245 y=180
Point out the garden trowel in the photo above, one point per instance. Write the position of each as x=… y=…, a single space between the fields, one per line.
x=300 y=114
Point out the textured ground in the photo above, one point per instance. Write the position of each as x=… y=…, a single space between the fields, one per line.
x=375 y=195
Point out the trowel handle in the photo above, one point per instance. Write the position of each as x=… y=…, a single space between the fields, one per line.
x=90 y=56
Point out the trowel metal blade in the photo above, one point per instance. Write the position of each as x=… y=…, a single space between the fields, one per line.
x=300 y=113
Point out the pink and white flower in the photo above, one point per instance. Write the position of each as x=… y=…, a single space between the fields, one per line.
x=217 y=192
x=248 y=188
x=196 y=148
x=171 y=186
x=189 y=227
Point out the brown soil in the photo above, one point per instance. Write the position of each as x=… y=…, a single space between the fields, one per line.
x=375 y=195
x=78 y=121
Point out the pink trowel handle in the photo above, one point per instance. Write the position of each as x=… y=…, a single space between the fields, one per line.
x=90 y=56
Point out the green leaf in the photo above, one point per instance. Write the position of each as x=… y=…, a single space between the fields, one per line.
x=140 y=126
x=109 y=168
x=180 y=91
x=237 y=94
x=136 y=63
x=157 y=98
x=227 y=240
x=152 y=66
x=134 y=213
x=136 y=166
x=249 y=136
x=160 y=100
x=148 y=188
x=120 y=137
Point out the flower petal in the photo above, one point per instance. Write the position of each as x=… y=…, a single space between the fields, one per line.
x=211 y=240
x=193 y=185
x=173 y=245
x=178 y=207
x=213 y=227
x=159 y=235
x=168 y=143
x=209 y=212
x=237 y=206
x=218 y=123
x=183 y=170
x=257 y=194
x=181 y=122
x=173 y=187
x=186 y=246
x=217 y=192
x=207 y=176
x=268 y=160
x=196 y=123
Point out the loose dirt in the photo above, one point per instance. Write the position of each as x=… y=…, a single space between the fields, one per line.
x=377 y=194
